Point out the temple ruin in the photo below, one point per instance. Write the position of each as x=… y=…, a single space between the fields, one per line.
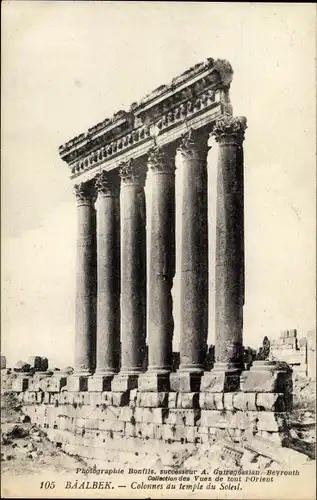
x=111 y=400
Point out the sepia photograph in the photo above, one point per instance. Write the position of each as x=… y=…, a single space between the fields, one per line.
x=158 y=243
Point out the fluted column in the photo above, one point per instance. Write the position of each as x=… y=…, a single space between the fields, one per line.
x=160 y=324
x=229 y=133
x=108 y=281
x=85 y=315
x=194 y=262
x=133 y=275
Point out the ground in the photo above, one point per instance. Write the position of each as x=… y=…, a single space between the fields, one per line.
x=25 y=449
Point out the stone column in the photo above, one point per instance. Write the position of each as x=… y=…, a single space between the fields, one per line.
x=86 y=291
x=133 y=275
x=108 y=281
x=194 y=263
x=160 y=324
x=229 y=133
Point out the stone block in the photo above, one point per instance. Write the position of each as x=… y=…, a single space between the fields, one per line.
x=202 y=430
x=92 y=423
x=115 y=426
x=169 y=432
x=124 y=382
x=54 y=399
x=210 y=418
x=267 y=376
x=64 y=424
x=112 y=413
x=79 y=398
x=133 y=396
x=180 y=433
x=207 y=400
x=54 y=383
x=77 y=383
x=21 y=366
x=3 y=362
x=185 y=381
x=126 y=414
x=172 y=399
x=95 y=399
x=129 y=429
x=244 y=401
x=228 y=400
x=152 y=399
x=292 y=333
x=99 y=383
x=39 y=397
x=220 y=381
x=183 y=417
x=30 y=397
x=242 y=420
x=44 y=364
x=148 y=431
x=284 y=334
x=46 y=398
x=219 y=397
x=20 y=384
x=139 y=429
x=138 y=414
x=120 y=398
x=107 y=398
x=188 y=400
x=295 y=358
x=204 y=438
x=190 y=434
x=154 y=382
x=80 y=422
x=35 y=363
x=269 y=401
x=268 y=421
x=66 y=398
x=159 y=415
x=86 y=398
x=34 y=384
x=158 y=431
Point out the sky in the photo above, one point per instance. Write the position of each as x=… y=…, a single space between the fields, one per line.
x=68 y=65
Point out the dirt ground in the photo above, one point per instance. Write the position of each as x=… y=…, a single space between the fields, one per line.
x=25 y=449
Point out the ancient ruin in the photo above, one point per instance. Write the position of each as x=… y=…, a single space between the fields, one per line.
x=111 y=401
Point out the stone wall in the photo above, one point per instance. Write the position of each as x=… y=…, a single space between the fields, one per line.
x=298 y=353
x=91 y=423
x=83 y=422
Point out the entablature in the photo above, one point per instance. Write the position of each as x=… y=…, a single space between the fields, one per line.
x=203 y=89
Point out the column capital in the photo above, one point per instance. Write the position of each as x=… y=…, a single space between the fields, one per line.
x=161 y=160
x=194 y=143
x=106 y=184
x=132 y=172
x=85 y=193
x=230 y=129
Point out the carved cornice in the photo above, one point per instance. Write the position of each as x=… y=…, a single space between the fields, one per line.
x=225 y=71
x=106 y=184
x=230 y=128
x=189 y=94
x=161 y=160
x=85 y=193
x=132 y=172
x=193 y=143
